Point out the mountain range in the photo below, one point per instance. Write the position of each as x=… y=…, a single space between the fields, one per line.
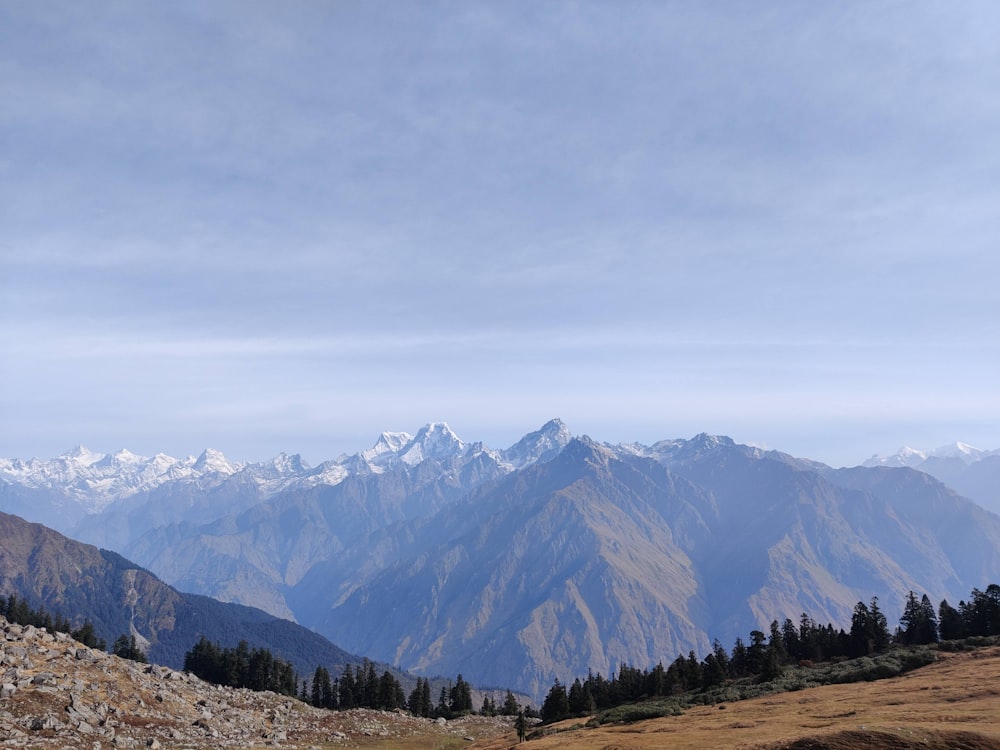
x=970 y=471
x=517 y=566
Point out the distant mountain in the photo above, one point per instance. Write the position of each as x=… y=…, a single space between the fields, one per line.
x=564 y=566
x=82 y=582
x=605 y=556
x=558 y=554
x=970 y=471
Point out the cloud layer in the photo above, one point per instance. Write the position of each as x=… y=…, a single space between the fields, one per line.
x=288 y=227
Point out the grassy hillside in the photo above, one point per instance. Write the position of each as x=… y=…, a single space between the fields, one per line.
x=953 y=703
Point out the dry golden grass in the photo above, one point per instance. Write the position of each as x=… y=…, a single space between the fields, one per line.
x=952 y=704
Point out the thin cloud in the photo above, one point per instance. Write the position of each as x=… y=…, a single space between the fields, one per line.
x=465 y=208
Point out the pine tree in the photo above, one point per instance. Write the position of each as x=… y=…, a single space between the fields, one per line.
x=320 y=687
x=776 y=642
x=739 y=664
x=389 y=692
x=879 y=627
x=918 y=624
x=755 y=652
x=510 y=706
x=86 y=635
x=415 y=702
x=521 y=724
x=771 y=667
x=127 y=648
x=790 y=636
x=460 y=697
x=556 y=703
x=712 y=672
x=950 y=623
x=347 y=688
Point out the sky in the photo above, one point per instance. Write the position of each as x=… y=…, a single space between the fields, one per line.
x=289 y=226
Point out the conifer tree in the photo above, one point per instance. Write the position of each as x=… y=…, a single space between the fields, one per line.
x=127 y=648
x=950 y=623
x=510 y=706
x=556 y=703
x=346 y=688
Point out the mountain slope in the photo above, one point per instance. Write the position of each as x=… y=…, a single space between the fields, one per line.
x=539 y=576
x=255 y=549
x=603 y=556
x=82 y=582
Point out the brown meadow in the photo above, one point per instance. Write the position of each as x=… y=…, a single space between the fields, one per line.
x=953 y=703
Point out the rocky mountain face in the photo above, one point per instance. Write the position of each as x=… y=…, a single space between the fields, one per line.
x=55 y=692
x=558 y=554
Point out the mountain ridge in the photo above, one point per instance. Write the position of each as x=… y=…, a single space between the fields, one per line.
x=80 y=582
x=560 y=553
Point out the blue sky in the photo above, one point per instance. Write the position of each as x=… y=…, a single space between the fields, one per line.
x=267 y=227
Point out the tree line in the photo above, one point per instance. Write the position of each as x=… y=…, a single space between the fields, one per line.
x=764 y=656
x=241 y=667
x=17 y=610
x=357 y=686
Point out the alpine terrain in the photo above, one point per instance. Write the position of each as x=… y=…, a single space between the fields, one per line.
x=517 y=566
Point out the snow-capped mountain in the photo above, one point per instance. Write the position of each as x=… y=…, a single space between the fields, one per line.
x=971 y=471
x=536 y=561
x=95 y=480
x=912 y=457
x=82 y=492
x=539 y=446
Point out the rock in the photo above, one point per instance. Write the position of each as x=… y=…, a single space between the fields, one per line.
x=38 y=723
x=86 y=699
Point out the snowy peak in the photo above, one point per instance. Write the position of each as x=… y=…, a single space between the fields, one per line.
x=286 y=464
x=913 y=458
x=95 y=480
x=434 y=440
x=963 y=451
x=212 y=460
x=388 y=444
x=81 y=456
x=905 y=456
x=121 y=460
x=673 y=451
x=539 y=446
x=279 y=467
x=392 y=441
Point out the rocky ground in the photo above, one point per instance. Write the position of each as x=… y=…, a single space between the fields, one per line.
x=55 y=692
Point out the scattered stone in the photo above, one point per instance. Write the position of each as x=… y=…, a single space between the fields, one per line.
x=83 y=699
